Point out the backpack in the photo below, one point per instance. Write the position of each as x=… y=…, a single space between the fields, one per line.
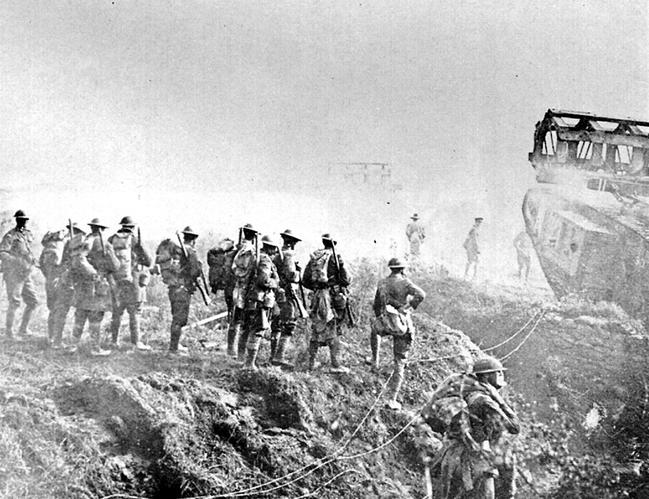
x=220 y=265
x=243 y=263
x=122 y=244
x=166 y=257
x=52 y=250
x=319 y=267
x=445 y=405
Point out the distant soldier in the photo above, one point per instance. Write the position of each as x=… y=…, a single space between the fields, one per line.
x=73 y=249
x=328 y=302
x=50 y=265
x=473 y=415
x=289 y=299
x=472 y=247
x=416 y=234
x=131 y=280
x=396 y=297
x=221 y=276
x=17 y=264
x=523 y=253
x=260 y=301
x=179 y=272
x=92 y=269
x=244 y=266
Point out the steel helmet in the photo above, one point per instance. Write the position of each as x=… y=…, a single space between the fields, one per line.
x=487 y=365
x=21 y=214
x=268 y=241
x=396 y=263
x=250 y=228
x=188 y=231
x=127 y=221
x=288 y=234
x=95 y=222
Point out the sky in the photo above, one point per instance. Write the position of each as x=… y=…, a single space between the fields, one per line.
x=213 y=112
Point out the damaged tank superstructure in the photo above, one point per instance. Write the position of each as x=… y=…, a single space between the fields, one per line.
x=589 y=216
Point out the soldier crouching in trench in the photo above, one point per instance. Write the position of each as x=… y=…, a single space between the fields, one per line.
x=473 y=463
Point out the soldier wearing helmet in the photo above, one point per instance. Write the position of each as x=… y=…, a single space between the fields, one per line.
x=92 y=268
x=477 y=416
x=243 y=268
x=396 y=297
x=131 y=280
x=329 y=284
x=17 y=264
x=289 y=299
x=260 y=301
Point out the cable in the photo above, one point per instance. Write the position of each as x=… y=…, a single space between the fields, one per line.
x=513 y=335
x=524 y=339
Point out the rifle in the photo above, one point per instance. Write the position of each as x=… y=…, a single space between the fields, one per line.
x=108 y=276
x=70 y=227
x=200 y=281
x=300 y=300
x=348 y=309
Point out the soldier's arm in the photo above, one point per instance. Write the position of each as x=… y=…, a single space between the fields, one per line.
x=291 y=271
x=111 y=261
x=417 y=295
x=5 y=248
x=379 y=305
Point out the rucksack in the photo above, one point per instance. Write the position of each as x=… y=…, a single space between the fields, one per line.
x=319 y=267
x=166 y=257
x=445 y=405
x=52 y=250
x=122 y=244
x=243 y=263
x=220 y=265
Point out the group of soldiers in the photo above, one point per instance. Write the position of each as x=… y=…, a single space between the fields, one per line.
x=263 y=287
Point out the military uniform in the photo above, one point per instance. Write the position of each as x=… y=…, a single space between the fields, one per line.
x=416 y=234
x=243 y=267
x=289 y=300
x=472 y=247
x=327 y=304
x=180 y=276
x=17 y=264
x=522 y=245
x=400 y=293
x=50 y=265
x=472 y=450
x=64 y=285
x=130 y=283
x=92 y=269
x=260 y=302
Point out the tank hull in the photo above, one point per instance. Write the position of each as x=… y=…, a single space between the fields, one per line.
x=590 y=244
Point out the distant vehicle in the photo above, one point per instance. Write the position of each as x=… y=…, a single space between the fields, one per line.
x=589 y=216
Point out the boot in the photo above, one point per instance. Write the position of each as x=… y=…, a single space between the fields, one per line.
x=9 y=331
x=334 y=351
x=273 y=348
x=313 y=353
x=95 y=334
x=281 y=352
x=134 y=328
x=252 y=349
x=375 y=344
x=233 y=336
x=394 y=386
x=115 y=322
x=27 y=315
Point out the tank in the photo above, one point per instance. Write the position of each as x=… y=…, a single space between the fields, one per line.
x=588 y=217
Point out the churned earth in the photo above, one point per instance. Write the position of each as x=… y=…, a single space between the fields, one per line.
x=142 y=424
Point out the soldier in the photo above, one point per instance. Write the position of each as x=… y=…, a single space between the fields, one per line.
x=92 y=269
x=416 y=234
x=260 y=301
x=472 y=247
x=474 y=416
x=329 y=284
x=131 y=280
x=180 y=268
x=522 y=245
x=396 y=298
x=50 y=264
x=288 y=298
x=244 y=265
x=221 y=276
x=17 y=264
x=64 y=296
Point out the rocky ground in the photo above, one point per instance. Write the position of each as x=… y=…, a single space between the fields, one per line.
x=146 y=425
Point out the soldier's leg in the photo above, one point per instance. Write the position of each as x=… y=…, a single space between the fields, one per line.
x=94 y=328
x=313 y=353
x=116 y=319
x=375 y=345
x=288 y=327
x=334 y=349
x=256 y=333
x=50 y=295
x=134 y=310
x=180 y=299
x=60 y=311
x=80 y=317
x=31 y=301
x=401 y=348
x=13 y=298
x=233 y=330
x=248 y=320
x=275 y=333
